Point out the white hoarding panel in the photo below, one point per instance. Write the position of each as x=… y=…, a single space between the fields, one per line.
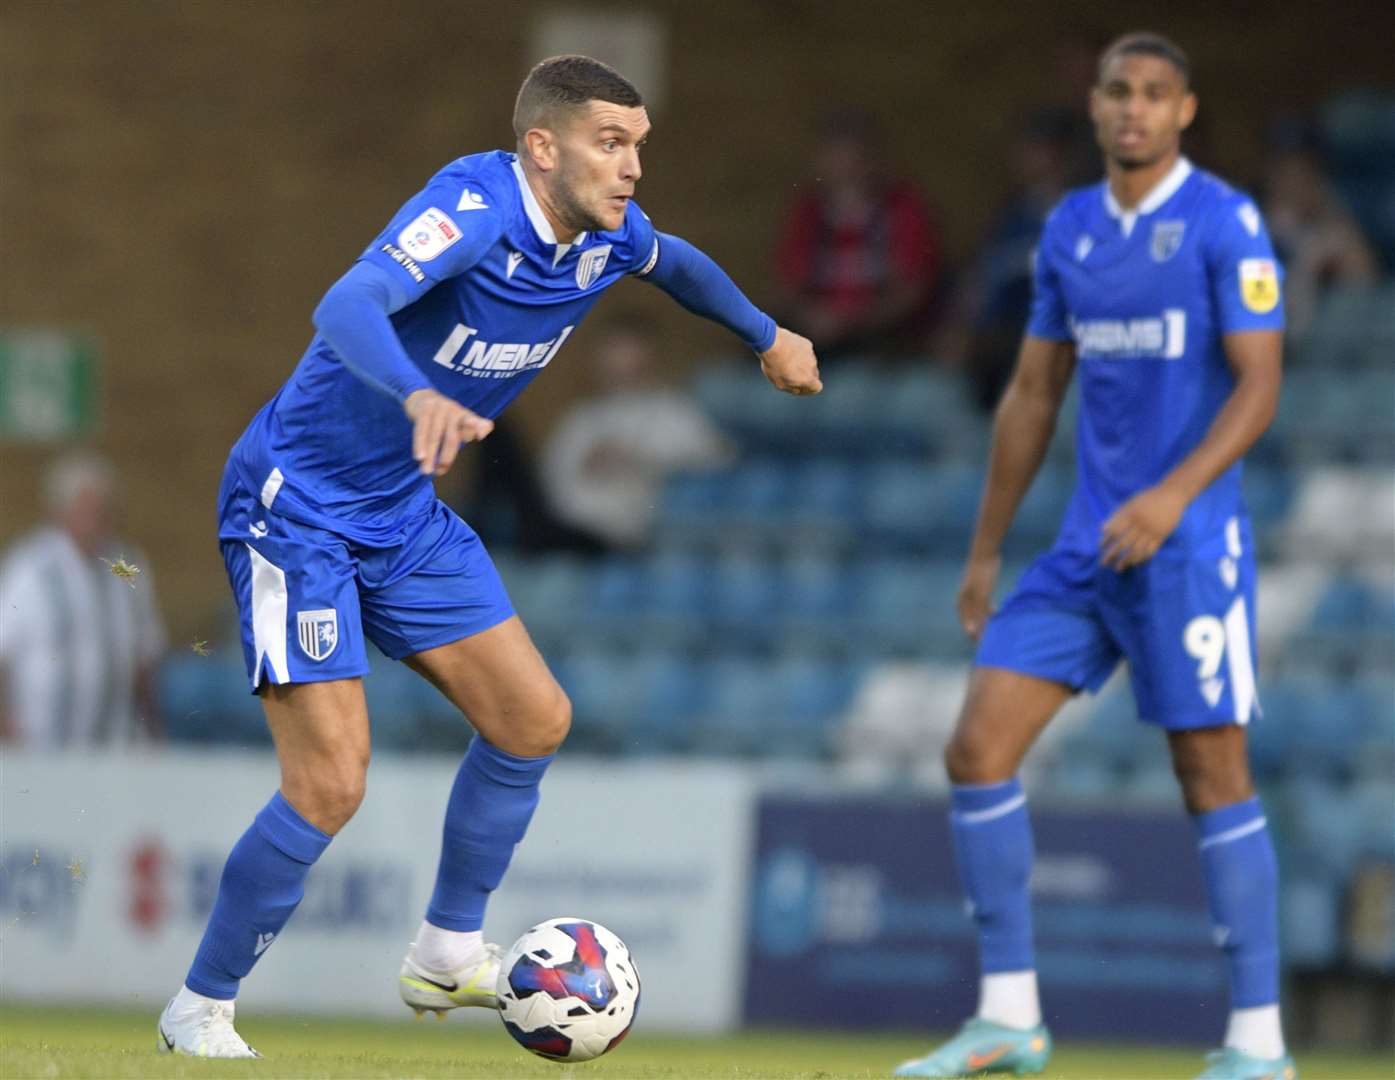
x=109 y=865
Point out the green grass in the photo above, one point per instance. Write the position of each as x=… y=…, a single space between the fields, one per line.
x=82 y=1042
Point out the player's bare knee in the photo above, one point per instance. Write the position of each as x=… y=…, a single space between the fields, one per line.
x=971 y=758
x=553 y=723
x=1210 y=785
x=329 y=794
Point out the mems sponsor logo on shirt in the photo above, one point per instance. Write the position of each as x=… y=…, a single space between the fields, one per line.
x=1163 y=337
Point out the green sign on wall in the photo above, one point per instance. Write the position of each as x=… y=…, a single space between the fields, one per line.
x=48 y=385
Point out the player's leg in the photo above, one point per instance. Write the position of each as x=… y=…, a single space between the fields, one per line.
x=498 y=680
x=304 y=650
x=1242 y=880
x=1004 y=713
x=1192 y=665
x=321 y=736
x=1040 y=648
x=449 y=618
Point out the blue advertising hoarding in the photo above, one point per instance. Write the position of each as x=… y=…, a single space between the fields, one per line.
x=857 y=920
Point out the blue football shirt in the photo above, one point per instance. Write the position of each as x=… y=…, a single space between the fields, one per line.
x=490 y=299
x=1146 y=296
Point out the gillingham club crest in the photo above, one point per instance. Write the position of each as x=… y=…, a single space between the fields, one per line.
x=318 y=632
x=1167 y=238
x=590 y=265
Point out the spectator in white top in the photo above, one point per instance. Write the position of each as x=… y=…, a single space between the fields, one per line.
x=604 y=467
x=79 y=631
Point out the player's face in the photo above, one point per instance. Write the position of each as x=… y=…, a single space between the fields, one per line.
x=1140 y=109
x=598 y=165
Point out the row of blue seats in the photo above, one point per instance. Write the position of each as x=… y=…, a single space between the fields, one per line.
x=732 y=704
x=1311 y=727
x=729 y=699
x=868 y=411
x=1352 y=330
x=893 y=503
x=1347 y=416
x=682 y=598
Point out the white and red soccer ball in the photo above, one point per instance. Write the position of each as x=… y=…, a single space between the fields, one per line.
x=568 y=990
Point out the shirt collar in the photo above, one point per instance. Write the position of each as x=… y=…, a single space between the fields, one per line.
x=541 y=225
x=1163 y=190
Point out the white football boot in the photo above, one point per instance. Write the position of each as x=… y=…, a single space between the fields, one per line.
x=204 y=1032
x=471 y=984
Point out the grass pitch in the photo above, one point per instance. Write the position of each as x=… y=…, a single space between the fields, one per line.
x=82 y=1042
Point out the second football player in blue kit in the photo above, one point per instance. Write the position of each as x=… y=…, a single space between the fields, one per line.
x=332 y=533
x=1158 y=290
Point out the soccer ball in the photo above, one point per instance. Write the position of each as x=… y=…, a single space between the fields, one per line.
x=568 y=990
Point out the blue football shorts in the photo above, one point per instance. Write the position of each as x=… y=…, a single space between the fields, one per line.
x=307 y=597
x=1184 y=622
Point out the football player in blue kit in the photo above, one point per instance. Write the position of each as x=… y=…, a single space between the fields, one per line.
x=1159 y=290
x=332 y=533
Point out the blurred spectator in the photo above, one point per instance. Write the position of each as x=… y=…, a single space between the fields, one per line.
x=79 y=631
x=604 y=466
x=859 y=258
x=1317 y=238
x=498 y=491
x=991 y=306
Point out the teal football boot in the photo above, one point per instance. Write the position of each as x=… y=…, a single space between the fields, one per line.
x=983 y=1047
x=1233 y=1064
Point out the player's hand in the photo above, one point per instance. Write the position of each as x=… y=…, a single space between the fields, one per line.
x=790 y=363
x=439 y=428
x=1136 y=530
x=976 y=593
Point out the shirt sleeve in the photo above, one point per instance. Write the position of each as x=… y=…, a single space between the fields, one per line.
x=643 y=240
x=1246 y=279
x=439 y=233
x=422 y=246
x=1050 y=318
x=704 y=288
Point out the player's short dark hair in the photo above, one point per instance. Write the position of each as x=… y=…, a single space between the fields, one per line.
x=567 y=82
x=1147 y=43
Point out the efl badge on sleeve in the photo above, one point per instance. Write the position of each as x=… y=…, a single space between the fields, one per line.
x=429 y=234
x=318 y=632
x=1167 y=238
x=1259 y=284
x=590 y=265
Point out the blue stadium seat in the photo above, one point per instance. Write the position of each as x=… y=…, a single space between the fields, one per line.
x=826 y=492
x=601 y=686
x=206 y=699
x=741 y=701
x=742 y=594
x=1268 y=495
x=902 y=502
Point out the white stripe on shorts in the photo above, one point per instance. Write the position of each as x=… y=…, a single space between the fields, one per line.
x=269 y=605
x=1239 y=661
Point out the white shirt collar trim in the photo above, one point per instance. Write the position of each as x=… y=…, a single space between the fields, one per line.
x=541 y=225
x=1163 y=190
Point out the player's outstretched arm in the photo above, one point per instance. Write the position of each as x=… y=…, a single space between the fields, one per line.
x=1136 y=530
x=704 y=288
x=1022 y=429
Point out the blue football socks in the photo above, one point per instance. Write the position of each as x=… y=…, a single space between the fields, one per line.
x=1242 y=887
x=263 y=881
x=491 y=803
x=993 y=848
